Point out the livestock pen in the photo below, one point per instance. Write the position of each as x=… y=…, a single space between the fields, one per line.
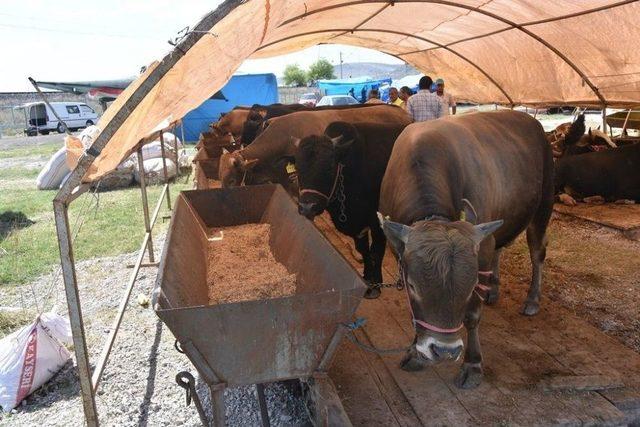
x=551 y=369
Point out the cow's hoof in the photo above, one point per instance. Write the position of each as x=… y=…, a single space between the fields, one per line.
x=469 y=376
x=411 y=363
x=594 y=200
x=567 y=200
x=530 y=308
x=492 y=297
x=625 y=202
x=372 y=293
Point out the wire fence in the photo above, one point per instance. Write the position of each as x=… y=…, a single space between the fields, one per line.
x=291 y=95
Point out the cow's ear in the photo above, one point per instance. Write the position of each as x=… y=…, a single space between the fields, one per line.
x=295 y=141
x=469 y=212
x=481 y=231
x=397 y=234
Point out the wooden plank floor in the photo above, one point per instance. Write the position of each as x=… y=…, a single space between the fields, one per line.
x=625 y=218
x=520 y=355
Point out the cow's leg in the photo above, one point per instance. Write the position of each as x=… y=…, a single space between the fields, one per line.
x=494 y=279
x=362 y=246
x=377 y=249
x=470 y=374
x=537 y=241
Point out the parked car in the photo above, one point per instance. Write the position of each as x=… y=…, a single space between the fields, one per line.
x=337 y=100
x=309 y=99
x=40 y=118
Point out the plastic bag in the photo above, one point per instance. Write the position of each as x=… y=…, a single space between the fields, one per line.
x=30 y=356
x=53 y=172
x=154 y=171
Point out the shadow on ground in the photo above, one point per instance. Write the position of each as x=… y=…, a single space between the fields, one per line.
x=10 y=221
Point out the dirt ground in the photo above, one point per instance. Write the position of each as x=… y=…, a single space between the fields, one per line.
x=591 y=270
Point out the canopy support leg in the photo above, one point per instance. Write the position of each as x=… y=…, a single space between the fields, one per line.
x=145 y=203
x=65 y=245
x=164 y=169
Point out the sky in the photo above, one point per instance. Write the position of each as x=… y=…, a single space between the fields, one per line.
x=65 y=40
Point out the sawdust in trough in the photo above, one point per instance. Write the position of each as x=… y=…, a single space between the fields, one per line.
x=241 y=266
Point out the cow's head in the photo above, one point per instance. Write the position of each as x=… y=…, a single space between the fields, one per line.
x=230 y=123
x=233 y=168
x=252 y=127
x=317 y=159
x=439 y=264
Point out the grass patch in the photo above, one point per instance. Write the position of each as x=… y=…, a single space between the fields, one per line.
x=116 y=227
x=18 y=173
x=32 y=151
x=11 y=321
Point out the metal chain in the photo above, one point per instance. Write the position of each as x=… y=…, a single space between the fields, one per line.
x=358 y=323
x=398 y=285
x=341 y=198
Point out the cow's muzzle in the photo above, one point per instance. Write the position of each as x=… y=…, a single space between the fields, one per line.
x=307 y=209
x=438 y=350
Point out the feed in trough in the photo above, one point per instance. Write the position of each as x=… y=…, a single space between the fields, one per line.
x=241 y=266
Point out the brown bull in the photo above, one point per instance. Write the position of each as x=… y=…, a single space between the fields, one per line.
x=265 y=159
x=501 y=164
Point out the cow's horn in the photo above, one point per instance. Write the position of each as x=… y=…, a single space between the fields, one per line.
x=483 y=230
x=296 y=141
x=225 y=151
x=337 y=140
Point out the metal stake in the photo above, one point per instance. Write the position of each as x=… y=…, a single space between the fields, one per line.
x=626 y=120
x=164 y=169
x=75 y=311
x=604 y=118
x=262 y=403
x=66 y=128
x=323 y=366
x=145 y=203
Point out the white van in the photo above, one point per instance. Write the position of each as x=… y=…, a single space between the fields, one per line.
x=40 y=118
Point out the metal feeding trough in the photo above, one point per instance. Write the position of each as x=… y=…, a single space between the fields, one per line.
x=255 y=342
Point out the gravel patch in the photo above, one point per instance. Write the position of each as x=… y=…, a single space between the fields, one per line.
x=138 y=386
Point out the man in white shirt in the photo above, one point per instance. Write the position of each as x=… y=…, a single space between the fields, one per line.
x=445 y=97
x=425 y=105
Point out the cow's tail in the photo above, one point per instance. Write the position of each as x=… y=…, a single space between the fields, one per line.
x=575 y=132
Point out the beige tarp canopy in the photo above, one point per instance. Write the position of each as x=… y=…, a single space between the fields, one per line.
x=528 y=52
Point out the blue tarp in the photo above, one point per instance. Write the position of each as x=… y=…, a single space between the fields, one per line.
x=247 y=89
x=357 y=87
x=410 y=81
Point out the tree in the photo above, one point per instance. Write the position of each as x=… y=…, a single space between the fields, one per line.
x=294 y=76
x=321 y=69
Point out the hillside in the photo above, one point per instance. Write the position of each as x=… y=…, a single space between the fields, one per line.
x=375 y=70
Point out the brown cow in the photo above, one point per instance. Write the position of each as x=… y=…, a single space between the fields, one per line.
x=499 y=162
x=264 y=160
x=231 y=122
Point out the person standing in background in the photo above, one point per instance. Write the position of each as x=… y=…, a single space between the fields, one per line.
x=394 y=97
x=425 y=105
x=447 y=99
x=405 y=94
x=374 y=97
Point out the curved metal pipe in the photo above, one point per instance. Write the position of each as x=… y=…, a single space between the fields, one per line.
x=511 y=24
x=349 y=30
